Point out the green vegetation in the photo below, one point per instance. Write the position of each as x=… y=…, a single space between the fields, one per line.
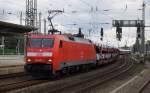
x=10 y=51
x=147 y=57
x=137 y=68
x=138 y=56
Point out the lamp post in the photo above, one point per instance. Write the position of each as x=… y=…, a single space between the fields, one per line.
x=3 y=45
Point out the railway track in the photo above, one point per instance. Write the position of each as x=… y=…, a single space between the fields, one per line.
x=11 y=66
x=11 y=71
x=18 y=82
x=6 y=71
x=13 y=75
x=90 y=82
x=23 y=81
x=145 y=87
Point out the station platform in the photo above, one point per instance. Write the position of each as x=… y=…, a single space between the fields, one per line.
x=11 y=60
x=10 y=64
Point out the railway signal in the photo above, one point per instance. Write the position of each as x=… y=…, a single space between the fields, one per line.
x=102 y=33
x=138 y=32
x=135 y=23
x=80 y=34
x=119 y=33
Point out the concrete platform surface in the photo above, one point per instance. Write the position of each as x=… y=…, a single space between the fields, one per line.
x=9 y=60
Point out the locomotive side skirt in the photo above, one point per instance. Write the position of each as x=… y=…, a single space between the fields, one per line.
x=76 y=63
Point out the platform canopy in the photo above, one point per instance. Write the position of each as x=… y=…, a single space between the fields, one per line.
x=8 y=29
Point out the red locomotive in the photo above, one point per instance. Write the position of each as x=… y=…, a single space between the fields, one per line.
x=52 y=54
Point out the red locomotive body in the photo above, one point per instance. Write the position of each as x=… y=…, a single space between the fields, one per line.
x=52 y=53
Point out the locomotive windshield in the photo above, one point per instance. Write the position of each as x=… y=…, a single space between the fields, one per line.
x=41 y=42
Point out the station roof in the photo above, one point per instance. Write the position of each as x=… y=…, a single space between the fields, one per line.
x=7 y=29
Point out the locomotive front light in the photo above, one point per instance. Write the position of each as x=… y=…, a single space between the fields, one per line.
x=49 y=60
x=28 y=60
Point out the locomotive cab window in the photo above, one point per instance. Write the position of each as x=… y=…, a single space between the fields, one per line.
x=47 y=42
x=61 y=44
x=41 y=42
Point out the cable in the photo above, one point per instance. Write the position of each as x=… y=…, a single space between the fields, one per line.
x=85 y=3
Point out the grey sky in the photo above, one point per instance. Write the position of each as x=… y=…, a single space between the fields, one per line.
x=118 y=9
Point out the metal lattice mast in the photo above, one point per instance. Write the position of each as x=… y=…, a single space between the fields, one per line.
x=21 y=18
x=45 y=27
x=31 y=13
x=35 y=12
x=143 y=30
x=39 y=23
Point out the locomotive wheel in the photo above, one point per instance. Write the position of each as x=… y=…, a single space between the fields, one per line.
x=65 y=71
x=77 y=68
x=72 y=69
x=57 y=75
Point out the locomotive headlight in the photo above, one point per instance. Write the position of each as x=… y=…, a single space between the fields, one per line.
x=29 y=60
x=49 y=60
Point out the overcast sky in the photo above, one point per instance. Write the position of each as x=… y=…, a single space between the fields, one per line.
x=85 y=17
